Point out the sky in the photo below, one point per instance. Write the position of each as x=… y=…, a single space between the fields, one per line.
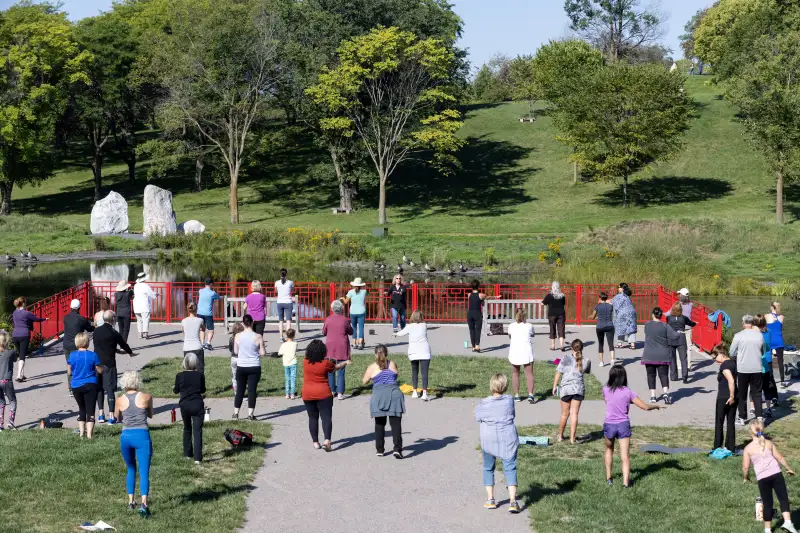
x=511 y=27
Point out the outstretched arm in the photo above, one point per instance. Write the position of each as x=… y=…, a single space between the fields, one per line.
x=646 y=407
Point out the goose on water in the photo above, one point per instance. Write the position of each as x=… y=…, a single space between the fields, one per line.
x=429 y=268
x=399 y=268
x=30 y=257
x=462 y=267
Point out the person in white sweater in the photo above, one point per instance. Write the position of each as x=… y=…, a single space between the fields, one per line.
x=419 y=351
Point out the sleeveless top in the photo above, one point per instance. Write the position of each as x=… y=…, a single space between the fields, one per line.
x=385 y=377
x=765 y=465
x=475 y=302
x=775 y=333
x=134 y=417
x=248 y=350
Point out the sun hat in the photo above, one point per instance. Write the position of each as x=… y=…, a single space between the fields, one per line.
x=123 y=286
x=75 y=304
x=141 y=277
x=357 y=283
x=684 y=292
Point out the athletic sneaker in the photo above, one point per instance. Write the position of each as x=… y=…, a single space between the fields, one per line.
x=653 y=399
x=414 y=394
x=752 y=413
x=397 y=454
x=111 y=421
x=197 y=462
x=235 y=416
x=602 y=364
x=490 y=504
x=132 y=506
x=784 y=384
x=775 y=403
x=251 y=418
x=768 y=413
x=531 y=399
x=101 y=419
x=340 y=397
x=210 y=348
x=379 y=454
x=740 y=422
x=667 y=399
x=513 y=508
x=144 y=512
x=609 y=482
x=425 y=396
x=517 y=398
x=788 y=526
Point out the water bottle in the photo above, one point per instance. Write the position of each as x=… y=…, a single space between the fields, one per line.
x=207 y=417
x=172 y=415
x=466 y=344
x=759 y=510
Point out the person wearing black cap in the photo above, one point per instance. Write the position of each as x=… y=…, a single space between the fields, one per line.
x=205 y=310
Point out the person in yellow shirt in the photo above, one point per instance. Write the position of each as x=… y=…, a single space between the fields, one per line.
x=288 y=351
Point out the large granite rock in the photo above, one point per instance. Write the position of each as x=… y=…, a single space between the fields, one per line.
x=191 y=226
x=159 y=218
x=110 y=215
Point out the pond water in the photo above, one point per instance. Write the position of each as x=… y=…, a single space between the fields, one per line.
x=738 y=306
x=40 y=281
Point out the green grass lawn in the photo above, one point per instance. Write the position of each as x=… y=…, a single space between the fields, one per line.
x=513 y=194
x=451 y=376
x=565 y=490
x=52 y=482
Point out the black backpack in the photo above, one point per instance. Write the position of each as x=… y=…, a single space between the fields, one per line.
x=238 y=438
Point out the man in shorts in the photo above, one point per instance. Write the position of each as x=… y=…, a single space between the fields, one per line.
x=205 y=310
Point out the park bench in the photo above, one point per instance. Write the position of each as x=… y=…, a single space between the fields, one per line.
x=504 y=311
x=234 y=311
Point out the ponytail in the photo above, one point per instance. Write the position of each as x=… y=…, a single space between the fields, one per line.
x=577 y=348
x=757 y=430
x=381 y=354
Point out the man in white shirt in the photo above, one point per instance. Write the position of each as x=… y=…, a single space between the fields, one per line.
x=142 y=296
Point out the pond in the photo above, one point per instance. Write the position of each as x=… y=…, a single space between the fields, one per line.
x=738 y=306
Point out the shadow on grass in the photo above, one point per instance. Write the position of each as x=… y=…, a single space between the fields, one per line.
x=667 y=190
x=638 y=474
x=213 y=495
x=536 y=491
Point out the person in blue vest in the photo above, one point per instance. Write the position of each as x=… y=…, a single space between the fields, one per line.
x=205 y=310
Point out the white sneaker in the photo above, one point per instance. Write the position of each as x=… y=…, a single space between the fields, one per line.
x=414 y=395
x=602 y=364
x=340 y=397
x=424 y=396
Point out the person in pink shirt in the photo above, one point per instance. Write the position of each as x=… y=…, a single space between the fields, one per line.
x=254 y=306
x=617 y=425
x=767 y=461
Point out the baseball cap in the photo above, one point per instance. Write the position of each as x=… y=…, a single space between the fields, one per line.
x=75 y=304
x=209 y=281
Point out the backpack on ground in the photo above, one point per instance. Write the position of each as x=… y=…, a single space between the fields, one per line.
x=495 y=329
x=238 y=438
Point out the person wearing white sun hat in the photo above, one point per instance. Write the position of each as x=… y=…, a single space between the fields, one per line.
x=356 y=298
x=123 y=296
x=142 y=296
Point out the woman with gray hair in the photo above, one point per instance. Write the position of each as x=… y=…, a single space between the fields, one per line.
x=133 y=409
x=556 y=304
x=191 y=385
x=337 y=329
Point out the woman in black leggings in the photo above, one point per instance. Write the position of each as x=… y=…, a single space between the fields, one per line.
x=191 y=385
x=475 y=314
x=603 y=312
x=249 y=347
x=657 y=355
x=317 y=395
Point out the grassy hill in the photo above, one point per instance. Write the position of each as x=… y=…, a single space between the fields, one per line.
x=711 y=207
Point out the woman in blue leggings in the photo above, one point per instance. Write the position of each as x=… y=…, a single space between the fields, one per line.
x=133 y=409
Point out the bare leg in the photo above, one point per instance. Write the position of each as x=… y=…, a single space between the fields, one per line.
x=490 y=493
x=574 y=408
x=562 y=422
x=611 y=351
x=515 y=379
x=561 y=340
x=21 y=369
x=144 y=500
x=608 y=458
x=529 y=378
x=625 y=453
x=81 y=428
x=512 y=493
x=601 y=356
x=89 y=429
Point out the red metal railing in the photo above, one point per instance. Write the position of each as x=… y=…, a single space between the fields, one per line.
x=438 y=302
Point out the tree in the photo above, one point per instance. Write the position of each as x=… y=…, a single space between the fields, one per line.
x=522 y=79
x=614 y=26
x=218 y=61
x=392 y=91
x=624 y=118
x=756 y=51
x=687 y=39
x=110 y=106
x=39 y=62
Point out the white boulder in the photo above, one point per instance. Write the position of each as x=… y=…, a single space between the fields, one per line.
x=110 y=215
x=191 y=226
x=159 y=218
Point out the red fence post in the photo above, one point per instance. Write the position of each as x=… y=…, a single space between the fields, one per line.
x=332 y=294
x=168 y=302
x=578 y=303
x=414 y=297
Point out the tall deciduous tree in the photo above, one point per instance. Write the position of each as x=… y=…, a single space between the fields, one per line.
x=687 y=39
x=756 y=52
x=624 y=118
x=218 y=61
x=39 y=62
x=615 y=25
x=392 y=91
x=522 y=78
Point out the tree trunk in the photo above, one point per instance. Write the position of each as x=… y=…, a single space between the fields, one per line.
x=234 y=195
x=198 y=173
x=382 y=200
x=97 y=171
x=574 y=172
x=347 y=190
x=779 y=197
x=625 y=191
x=5 y=198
